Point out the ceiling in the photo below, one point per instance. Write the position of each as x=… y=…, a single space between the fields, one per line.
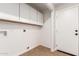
x=42 y=7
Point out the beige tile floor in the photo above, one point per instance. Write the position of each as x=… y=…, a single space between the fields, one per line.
x=43 y=51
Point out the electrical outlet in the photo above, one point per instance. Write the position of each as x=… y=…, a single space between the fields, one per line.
x=28 y=47
x=24 y=30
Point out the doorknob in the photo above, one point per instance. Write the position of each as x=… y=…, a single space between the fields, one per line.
x=76 y=34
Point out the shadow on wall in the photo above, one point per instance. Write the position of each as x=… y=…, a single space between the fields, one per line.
x=46 y=30
x=47 y=15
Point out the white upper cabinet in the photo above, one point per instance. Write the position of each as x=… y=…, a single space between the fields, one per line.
x=30 y=15
x=40 y=18
x=33 y=14
x=9 y=11
x=24 y=12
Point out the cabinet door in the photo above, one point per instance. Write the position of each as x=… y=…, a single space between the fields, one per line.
x=33 y=14
x=24 y=12
x=16 y=41
x=9 y=11
x=40 y=18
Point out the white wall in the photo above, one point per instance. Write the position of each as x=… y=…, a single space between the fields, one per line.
x=17 y=40
x=46 y=30
x=65 y=5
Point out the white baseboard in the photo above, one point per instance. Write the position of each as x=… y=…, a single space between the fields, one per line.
x=52 y=50
x=26 y=50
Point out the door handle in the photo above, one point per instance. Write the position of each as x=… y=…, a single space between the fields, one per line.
x=76 y=30
x=76 y=34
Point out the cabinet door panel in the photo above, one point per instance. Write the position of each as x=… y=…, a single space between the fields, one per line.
x=9 y=11
x=40 y=18
x=33 y=14
x=24 y=12
x=30 y=15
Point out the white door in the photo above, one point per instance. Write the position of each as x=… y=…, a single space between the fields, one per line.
x=67 y=30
